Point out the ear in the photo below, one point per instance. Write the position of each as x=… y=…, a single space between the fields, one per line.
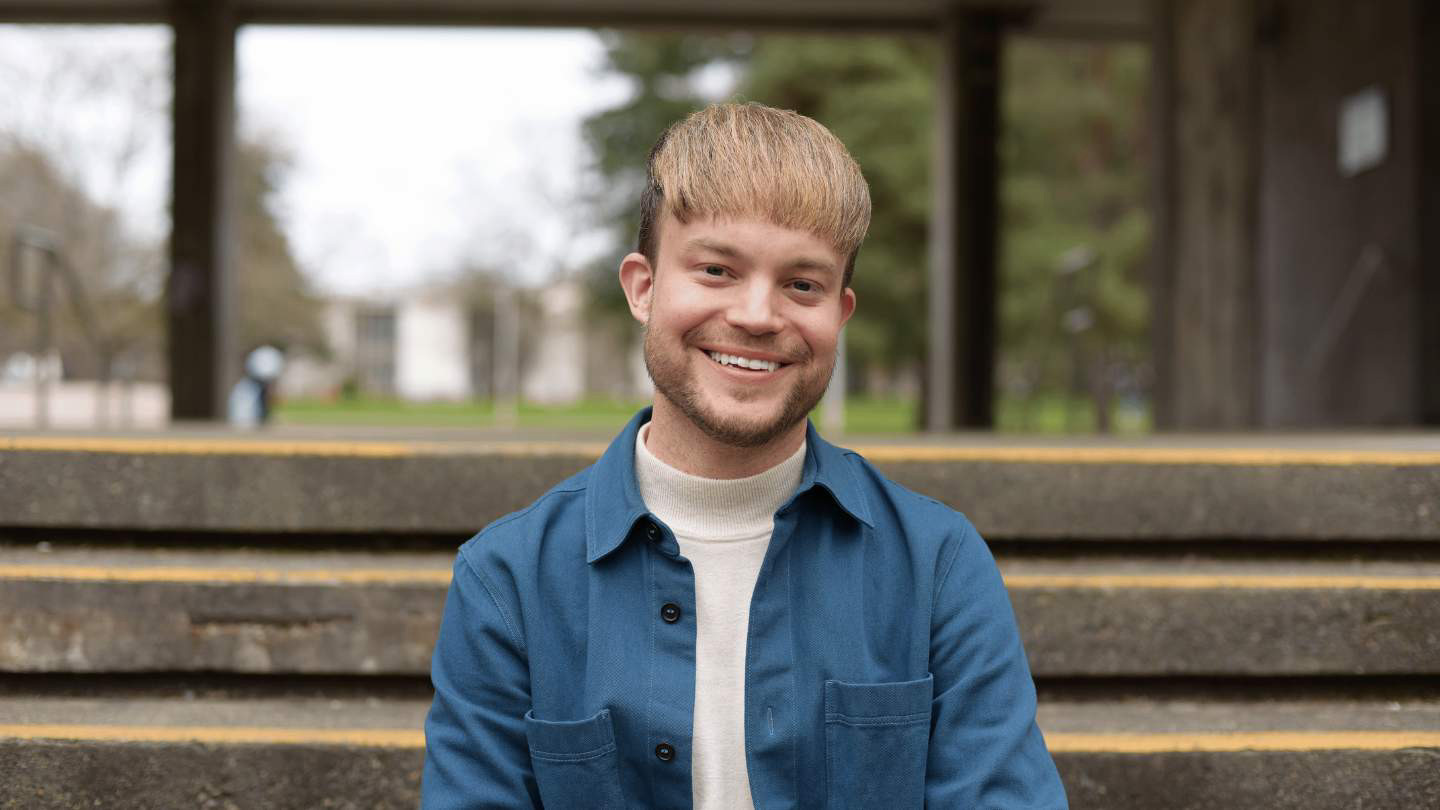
x=637 y=279
x=847 y=304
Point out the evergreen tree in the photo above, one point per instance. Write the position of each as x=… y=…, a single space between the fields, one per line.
x=274 y=301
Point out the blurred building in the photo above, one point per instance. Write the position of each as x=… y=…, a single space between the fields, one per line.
x=433 y=343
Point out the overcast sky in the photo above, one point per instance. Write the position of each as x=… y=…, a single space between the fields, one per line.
x=414 y=148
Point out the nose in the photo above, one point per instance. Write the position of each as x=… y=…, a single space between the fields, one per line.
x=754 y=310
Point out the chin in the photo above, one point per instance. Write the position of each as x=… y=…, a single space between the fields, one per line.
x=730 y=416
x=744 y=425
x=738 y=433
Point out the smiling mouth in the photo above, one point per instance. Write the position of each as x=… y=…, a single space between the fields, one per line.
x=736 y=361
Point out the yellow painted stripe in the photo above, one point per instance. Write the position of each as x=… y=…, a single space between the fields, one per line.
x=306 y=447
x=375 y=576
x=1233 y=457
x=437 y=576
x=1060 y=742
x=216 y=447
x=1241 y=457
x=1227 y=581
x=219 y=735
x=1166 y=742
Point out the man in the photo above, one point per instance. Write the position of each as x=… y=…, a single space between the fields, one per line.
x=726 y=611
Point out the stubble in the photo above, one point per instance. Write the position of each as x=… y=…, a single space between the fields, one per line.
x=670 y=371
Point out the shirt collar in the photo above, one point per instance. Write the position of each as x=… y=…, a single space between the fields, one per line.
x=613 y=504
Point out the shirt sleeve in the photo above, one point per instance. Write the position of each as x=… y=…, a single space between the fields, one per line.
x=985 y=749
x=476 y=754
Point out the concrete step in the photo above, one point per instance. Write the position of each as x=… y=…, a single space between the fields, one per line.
x=164 y=754
x=1127 y=755
x=1166 y=489
x=274 y=612
x=280 y=612
x=1219 y=756
x=1196 y=617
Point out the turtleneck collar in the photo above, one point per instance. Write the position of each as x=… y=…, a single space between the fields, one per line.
x=713 y=508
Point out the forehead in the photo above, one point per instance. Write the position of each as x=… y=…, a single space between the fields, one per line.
x=750 y=238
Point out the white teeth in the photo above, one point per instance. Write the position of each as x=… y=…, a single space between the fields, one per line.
x=743 y=362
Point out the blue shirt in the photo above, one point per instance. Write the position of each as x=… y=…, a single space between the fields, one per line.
x=883 y=670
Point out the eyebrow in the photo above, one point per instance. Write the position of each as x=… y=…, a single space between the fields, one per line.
x=701 y=243
x=731 y=252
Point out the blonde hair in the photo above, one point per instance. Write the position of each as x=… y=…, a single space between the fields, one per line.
x=731 y=160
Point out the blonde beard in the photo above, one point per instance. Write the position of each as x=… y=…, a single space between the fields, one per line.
x=674 y=381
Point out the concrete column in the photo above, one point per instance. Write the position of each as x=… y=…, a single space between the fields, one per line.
x=1337 y=253
x=1427 y=299
x=965 y=220
x=1162 y=241
x=198 y=295
x=1208 y=164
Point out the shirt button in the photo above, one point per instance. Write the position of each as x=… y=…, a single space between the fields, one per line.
x=664 y=752
x=652 y=533
x=670 y=612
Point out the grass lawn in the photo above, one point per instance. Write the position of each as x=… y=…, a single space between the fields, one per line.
x=592 y=413
x=863 y=415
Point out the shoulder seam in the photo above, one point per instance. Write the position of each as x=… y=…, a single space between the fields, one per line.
x=514 y=516
x=954 y=555
x=490 y=591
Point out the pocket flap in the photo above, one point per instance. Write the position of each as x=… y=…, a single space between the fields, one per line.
x=570 y=739
x=878 y=703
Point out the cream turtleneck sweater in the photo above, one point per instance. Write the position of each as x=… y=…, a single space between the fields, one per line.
x=723 y=527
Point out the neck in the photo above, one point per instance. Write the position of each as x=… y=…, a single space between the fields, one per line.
x=675 y=440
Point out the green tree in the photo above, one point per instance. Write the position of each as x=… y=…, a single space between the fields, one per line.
x=1073 y=185
x=122 y=276
x=118 y=290
x=1075 y=229
x=275 y=302
x=53 y=175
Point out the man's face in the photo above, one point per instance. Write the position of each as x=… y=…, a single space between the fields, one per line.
x=742 y=321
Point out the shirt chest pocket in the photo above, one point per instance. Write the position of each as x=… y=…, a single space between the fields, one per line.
x=877 y=738
x=575 y=762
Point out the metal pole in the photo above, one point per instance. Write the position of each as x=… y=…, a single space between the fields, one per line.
x=833 y=406
x=940 y=405
x=43 y=341
x=507 y=354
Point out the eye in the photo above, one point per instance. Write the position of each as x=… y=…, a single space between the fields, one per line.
x=714 y=270
x=801 y=285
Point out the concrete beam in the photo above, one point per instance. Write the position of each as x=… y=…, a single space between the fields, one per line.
x=1061 y=18
x=199 y=301
x=82 y=11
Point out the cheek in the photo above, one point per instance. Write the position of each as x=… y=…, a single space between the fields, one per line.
x=682 y=313
x=673 y=322
x=821 y=334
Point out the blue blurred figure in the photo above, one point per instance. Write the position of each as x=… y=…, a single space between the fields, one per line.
x=249 y=405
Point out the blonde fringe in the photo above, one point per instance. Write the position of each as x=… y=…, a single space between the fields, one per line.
x=736 y=160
